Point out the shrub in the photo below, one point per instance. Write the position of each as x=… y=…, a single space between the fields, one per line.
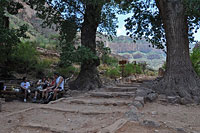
x=195 y=58
x=68 y=71
x=113 y=72
x=25 y=56
x=130 y=69
x=112 y=61
x=151 y=73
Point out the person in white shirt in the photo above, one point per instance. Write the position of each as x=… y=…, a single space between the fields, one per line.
x=59 y=85
x=25 y=85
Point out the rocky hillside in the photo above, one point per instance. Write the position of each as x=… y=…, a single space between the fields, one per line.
x=141 y=51
x=35 y=30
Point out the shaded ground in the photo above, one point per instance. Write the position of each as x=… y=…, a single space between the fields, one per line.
x=98 y=111
x=133 y=127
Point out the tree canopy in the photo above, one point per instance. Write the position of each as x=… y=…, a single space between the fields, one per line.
x=147 y=23
x=63 y=13
x=67 y=16
x=9 y=38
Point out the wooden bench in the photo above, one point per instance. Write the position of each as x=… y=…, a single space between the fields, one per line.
x=10 y=94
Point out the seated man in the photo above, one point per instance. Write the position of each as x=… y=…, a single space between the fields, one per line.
x=41 y=85
x=59 y=85
x=25 y=85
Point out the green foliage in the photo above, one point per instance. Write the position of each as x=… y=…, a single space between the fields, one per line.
x=25 y=56
x=151 y=73
x=9 y=38
x=104 y=54
x=71 y=55
x=50 y=43
x=109 y=60
x=164 y=66
x=113 y=72
x=101 y=49
x=130 y=69
x=192 y=11
x=146 y=21
x=44 y=40
x=77 y=14
x=68 y=71
x=195 y=58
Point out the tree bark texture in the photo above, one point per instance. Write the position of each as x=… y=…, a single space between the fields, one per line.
x=180 y=78
x=88 y=77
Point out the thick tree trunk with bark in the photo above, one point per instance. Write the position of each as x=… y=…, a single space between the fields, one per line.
x=180 y=78
x=88 y=77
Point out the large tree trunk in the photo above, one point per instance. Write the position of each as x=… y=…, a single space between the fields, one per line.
x=180 y=78
x=88 y=77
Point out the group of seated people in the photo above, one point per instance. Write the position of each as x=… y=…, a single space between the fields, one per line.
x=44 y=87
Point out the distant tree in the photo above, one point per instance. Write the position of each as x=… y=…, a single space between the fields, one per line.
x=169 y=22
x=9 y=38
x=86 y=16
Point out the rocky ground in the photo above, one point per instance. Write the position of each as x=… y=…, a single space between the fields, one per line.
x=123 y=108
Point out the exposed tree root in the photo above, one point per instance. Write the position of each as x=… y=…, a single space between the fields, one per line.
x=184 y=86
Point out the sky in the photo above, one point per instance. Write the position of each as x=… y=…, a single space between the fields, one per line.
x=122 y=30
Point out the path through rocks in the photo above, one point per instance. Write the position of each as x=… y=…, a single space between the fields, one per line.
x=112 y=109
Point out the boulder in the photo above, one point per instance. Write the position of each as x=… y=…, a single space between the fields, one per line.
x=140 y=99
x=173 y=99
x=151 y=97
x=143 y=92
x=150 y=123
x=138 y=104
x=133 y=114
x=186 y=100
x=196 y=99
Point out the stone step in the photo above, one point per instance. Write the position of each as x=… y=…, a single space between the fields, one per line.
x=121 y=89
x=50 y=120
x=100 y=101
x=86 y=108
x=113 y=94
x=129 y=85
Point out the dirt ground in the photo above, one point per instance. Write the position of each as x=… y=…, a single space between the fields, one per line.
x=99 y=111
x=172 y=117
